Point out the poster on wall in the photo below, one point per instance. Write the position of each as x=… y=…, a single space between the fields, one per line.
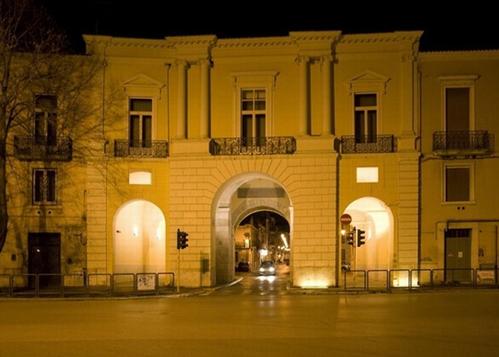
x=146 y=282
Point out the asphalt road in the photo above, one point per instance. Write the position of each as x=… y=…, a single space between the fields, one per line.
x=254 y=284
x=256 y=318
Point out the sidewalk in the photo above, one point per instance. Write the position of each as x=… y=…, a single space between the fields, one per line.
x=184 y=292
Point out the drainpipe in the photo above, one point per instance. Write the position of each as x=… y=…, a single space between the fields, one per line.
x=337 y=215
x=495 y=262
x=420 y=195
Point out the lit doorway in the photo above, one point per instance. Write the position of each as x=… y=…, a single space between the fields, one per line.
x=375 y=219
x=139 y=238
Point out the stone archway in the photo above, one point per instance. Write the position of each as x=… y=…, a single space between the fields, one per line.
x=375 y=218
x=238 y=196
x=139 y=238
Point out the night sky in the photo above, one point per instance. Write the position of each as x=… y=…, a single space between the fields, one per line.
x=454 y=27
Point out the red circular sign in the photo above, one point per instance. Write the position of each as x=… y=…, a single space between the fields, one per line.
x=345 y=218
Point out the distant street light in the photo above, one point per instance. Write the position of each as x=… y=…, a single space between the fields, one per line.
x=283 y=237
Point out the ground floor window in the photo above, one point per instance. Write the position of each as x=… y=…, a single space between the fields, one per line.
x=457 y=183
x=44 y=186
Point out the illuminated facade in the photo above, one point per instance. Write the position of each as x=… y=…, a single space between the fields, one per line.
x=204 y=132
x=459 y=165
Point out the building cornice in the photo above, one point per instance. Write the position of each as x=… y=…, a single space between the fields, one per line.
x=110 y=41
x=384 y=37
x=191 y=41
x=315 y=44
x=492 y=54
x=295 y=39
x=315 y=35
x=255 y=42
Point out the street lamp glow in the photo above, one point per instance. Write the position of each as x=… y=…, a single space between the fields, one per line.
x=283 y=237
x=313 y=284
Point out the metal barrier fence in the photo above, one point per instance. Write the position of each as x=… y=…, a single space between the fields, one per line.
x=5 y=284
x=80 y=284
x=387 y=280
x=101 y=284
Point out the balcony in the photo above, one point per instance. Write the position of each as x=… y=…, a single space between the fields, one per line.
x=139 y=149
x=350 y=144
x=43 y=148
x=472 y=143
x=273 y=145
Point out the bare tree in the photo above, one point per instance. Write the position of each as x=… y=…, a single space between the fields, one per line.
x=34 y=63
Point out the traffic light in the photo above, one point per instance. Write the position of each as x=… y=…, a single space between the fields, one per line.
x=361 y=237
x=350 y=238
x=182 y=239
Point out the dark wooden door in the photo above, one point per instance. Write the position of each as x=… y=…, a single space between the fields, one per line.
x=458 y=256
x=44 y=257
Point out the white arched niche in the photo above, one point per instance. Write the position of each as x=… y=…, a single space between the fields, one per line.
x=139 y=238
x=375 y=218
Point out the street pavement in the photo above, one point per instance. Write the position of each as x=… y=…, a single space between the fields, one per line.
x=256 y=317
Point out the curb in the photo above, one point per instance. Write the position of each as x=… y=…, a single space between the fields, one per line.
x=199 y=292
x=211 y=290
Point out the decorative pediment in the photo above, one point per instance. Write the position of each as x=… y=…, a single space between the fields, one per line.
x=459 y=80
x=255 y=78
x=141 y=80
x=368 y=81
x=143 y=85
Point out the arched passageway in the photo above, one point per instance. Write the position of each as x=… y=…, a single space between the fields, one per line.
x=237 y=199
x=262 y=235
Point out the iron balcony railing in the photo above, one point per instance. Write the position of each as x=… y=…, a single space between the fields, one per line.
x=272 y=145
x=367 y=144
x=43 y=148
x=478 y=142
x=153 y=148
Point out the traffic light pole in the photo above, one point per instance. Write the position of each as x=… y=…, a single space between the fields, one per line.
x=181 y=244
x=178 y=270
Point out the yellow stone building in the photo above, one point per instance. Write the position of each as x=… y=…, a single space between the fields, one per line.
x=459 y=164
x=203 y=132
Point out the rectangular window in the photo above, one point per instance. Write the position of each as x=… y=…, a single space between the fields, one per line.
x=458 y=184
x=140 y=122
x=366 y=112
x=367 y=175
x=45 y=120
x=253 y=117
x=140 y=178
x=457 y=109
x=44 y=189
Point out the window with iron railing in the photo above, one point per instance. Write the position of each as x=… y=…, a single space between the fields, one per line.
x=140 y=122
x=45 y=120
x=366 y=113
x=253 y=116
